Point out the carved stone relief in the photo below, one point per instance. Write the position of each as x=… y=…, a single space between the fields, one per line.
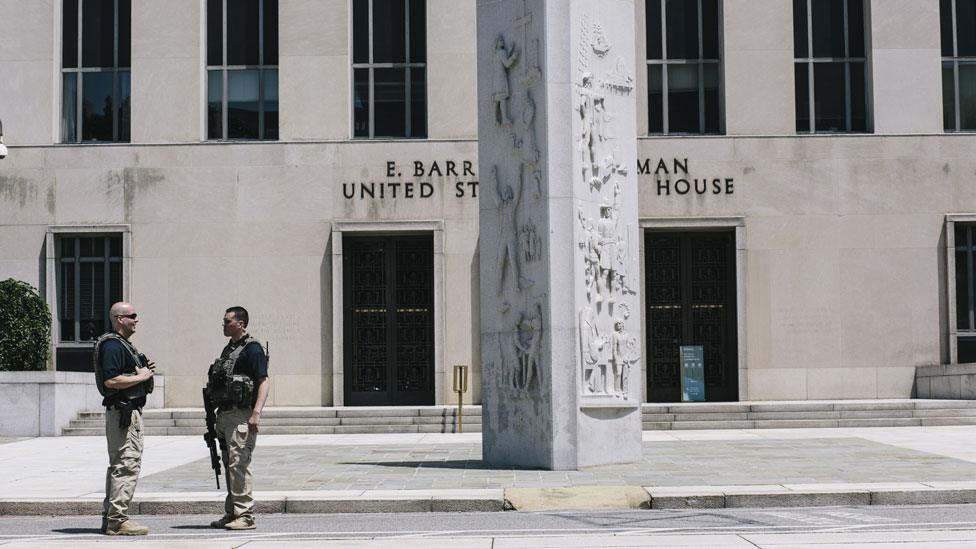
x=608 y=346
x=519 y=247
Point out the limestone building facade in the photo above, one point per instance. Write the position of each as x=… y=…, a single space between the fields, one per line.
x=806 y=177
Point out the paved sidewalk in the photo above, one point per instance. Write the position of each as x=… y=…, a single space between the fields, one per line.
x=411 y=472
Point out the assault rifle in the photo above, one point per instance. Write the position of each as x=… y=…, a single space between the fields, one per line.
x=210 y=437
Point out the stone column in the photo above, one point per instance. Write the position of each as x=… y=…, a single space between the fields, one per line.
x=560 y=325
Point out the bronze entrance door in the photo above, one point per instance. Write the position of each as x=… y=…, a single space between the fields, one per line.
x=388 y=320
x=690 y=300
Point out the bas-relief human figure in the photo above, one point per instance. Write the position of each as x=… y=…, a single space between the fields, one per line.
x=504 y=61
x=509 y=263
x=525 y=139
x=528 y=343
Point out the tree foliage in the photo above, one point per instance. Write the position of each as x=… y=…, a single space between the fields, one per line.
x=25 y=327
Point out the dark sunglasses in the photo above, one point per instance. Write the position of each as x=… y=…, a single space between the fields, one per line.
x=228 y=321
x=132 y=316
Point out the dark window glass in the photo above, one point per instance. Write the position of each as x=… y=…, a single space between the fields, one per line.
x=948 y=96
x=125 y=33
x=963 y=275
x=855 y=28
x=360 y=31
x=418 y=34
x=418 y=93
x=682 y=18
x=655 y=99
x=390 y=103
x=800 y=28
x=389 y=32
x=710 y=29
x=242 y=104
x=215 y=37
x=69 y=35
x=828 y=28
x=98 y=33
x=270 y=32
x=89 y=281
x=711 y=98
x=67 y=301
x=966 y=349
x=361 y=103
x=802 y=97
x=683 y=107
x=966 y=28
x=270 y=103
x=945 y=18
x=115 y=249
x=96 y=105
x=69 y=108
x=242 y=32
x=653 y=26
x=829 y=97
x=215 y=107
x=858 y=98
x=124 y=108
x=967 y=96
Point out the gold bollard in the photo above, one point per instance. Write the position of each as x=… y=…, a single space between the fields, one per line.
x=460 y=387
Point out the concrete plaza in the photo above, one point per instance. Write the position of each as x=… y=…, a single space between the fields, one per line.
x=417 y=472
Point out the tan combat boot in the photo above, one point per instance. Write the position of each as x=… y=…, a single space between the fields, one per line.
x=222 y=521
x=127 y=528
x=241 y=523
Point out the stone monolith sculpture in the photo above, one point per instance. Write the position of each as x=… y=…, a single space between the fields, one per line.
x=560 y=326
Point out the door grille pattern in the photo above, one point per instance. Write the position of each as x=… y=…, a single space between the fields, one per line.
x=389 y=328
x=691 y=301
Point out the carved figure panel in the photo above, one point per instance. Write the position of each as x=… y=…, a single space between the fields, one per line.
x=609 y=346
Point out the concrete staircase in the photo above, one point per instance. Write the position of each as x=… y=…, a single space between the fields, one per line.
x=441 y=419
x=301 y=420
x=809 y=414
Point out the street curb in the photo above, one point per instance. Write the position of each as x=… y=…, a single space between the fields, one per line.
x=494 y=500
x=766 y=496
x=308 y=502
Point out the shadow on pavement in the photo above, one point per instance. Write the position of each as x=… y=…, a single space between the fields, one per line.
x=77 y=530
x=471 y=465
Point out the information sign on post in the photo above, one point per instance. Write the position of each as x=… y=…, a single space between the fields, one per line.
x=692 y=373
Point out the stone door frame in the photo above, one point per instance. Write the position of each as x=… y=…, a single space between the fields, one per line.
x=736 y=223
x=363 y=228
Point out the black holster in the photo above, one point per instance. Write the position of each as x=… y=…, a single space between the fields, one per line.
x=125 y=413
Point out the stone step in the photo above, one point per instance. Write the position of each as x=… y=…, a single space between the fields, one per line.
x=436 y=419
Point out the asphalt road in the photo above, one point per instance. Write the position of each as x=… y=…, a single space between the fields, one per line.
x=192 y=530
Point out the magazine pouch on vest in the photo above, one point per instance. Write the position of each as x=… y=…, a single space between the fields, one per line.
x=131 y=393
x=227 y=388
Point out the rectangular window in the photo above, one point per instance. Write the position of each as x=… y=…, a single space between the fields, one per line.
x=684 y=67
x=242 y=69
x=965 y=237
x=89 y=280
x=389 y=68
x=830 y=66
x=958 y=19
x=95 y=68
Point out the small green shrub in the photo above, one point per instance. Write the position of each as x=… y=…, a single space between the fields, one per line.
x=25 y=327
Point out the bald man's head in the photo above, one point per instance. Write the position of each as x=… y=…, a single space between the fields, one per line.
x=123 y=319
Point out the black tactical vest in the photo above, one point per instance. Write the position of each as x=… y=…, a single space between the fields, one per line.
x=131 y=393
x=227 y=388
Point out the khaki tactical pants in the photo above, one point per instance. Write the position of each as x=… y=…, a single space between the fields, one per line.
x=232 y=429
x=124 y=461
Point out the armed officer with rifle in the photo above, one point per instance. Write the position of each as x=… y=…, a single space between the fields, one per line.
x=124 y=377
x=237 y=388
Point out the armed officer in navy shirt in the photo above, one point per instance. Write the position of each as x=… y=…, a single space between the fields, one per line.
x=238 y=386
x=124 y=377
